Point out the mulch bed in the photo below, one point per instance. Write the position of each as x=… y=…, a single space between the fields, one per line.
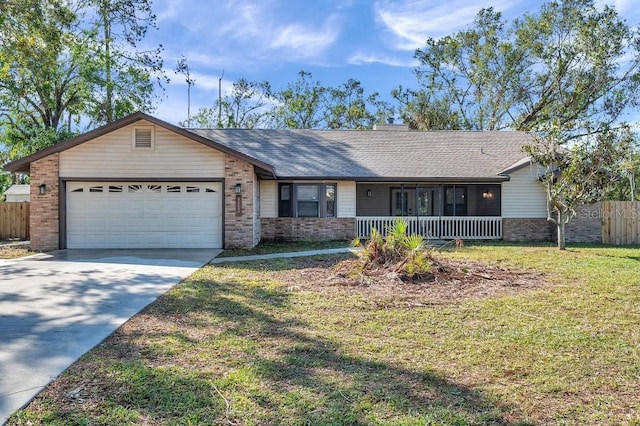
x=450 y=281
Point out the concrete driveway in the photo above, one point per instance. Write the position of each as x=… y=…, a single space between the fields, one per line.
x=55 y=307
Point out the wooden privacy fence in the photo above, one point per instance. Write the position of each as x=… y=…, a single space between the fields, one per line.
x=620 y=222
x=14 y=221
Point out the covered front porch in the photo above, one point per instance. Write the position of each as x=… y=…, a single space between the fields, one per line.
x=434 y=210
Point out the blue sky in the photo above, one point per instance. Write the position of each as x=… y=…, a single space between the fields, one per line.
x=369 y=40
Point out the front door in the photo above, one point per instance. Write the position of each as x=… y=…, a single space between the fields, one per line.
x=403 y=201
x=428 y=201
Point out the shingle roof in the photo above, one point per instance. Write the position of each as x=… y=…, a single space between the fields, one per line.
x=330 y=154
x=375 y=154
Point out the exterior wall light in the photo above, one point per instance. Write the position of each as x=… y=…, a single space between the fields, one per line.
x=42 y=188
x=238 y=188
x=369 y=193
x=487 y=195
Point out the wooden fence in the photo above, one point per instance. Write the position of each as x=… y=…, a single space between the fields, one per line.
x=14 y=221
x=620 y=222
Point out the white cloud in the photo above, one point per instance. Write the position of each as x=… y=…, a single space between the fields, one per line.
x=301 y=41
x=262 y=29
x=202 y=81
x=413 y=21
x=362 y=58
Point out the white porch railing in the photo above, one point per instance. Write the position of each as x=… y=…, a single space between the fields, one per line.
x=436 y=227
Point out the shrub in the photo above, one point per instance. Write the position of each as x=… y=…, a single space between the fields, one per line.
x=399 y=253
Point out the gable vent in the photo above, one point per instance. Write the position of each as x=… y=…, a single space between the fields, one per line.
x=142 y=137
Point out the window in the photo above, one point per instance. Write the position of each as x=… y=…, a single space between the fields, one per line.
x=455 y=200
x=284 y=205
x=307 y=200
x=143 y=137
x=330 y=200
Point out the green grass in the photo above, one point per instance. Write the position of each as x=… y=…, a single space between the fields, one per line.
x=269 y=247
x=236 y=345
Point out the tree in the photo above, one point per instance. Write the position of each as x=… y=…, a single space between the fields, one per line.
x=246 y=107
x=569 y=63
x=183 y=68
x=581 y=175
x=583 y=76
x=583 y=68
x=566 y=73
x=421 y=111
x=348 y=108
x=300 y=104
x=42 y=85
x=123 y=75
x=471 y=77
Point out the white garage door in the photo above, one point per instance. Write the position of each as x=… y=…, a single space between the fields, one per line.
x=144 y=215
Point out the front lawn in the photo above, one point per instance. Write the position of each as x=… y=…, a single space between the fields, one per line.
x=285 y=342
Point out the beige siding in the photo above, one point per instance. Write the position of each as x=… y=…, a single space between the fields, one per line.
x=268 y=198
x=523 y=196
x=346 y=199
x=112 y=156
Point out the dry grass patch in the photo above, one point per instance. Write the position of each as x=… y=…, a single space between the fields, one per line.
x=14 y=251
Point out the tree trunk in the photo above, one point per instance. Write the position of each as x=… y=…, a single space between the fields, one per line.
x=561 y=232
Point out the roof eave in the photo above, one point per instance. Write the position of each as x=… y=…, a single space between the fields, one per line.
x=479 y=179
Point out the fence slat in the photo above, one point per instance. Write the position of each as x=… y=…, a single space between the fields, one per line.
x=620 y=222
x=14 y=221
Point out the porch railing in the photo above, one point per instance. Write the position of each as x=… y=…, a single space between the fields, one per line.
x=437 y=227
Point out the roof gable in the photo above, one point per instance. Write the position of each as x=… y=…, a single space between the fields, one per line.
x=22 y=165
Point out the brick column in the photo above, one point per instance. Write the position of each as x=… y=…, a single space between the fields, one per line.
x=238 y=225
x=44 y=209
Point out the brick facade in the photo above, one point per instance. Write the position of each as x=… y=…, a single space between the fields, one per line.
x=239 y=212
x=527 y=229
x=586 y=226
x=308 y=229
x=44 y=209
